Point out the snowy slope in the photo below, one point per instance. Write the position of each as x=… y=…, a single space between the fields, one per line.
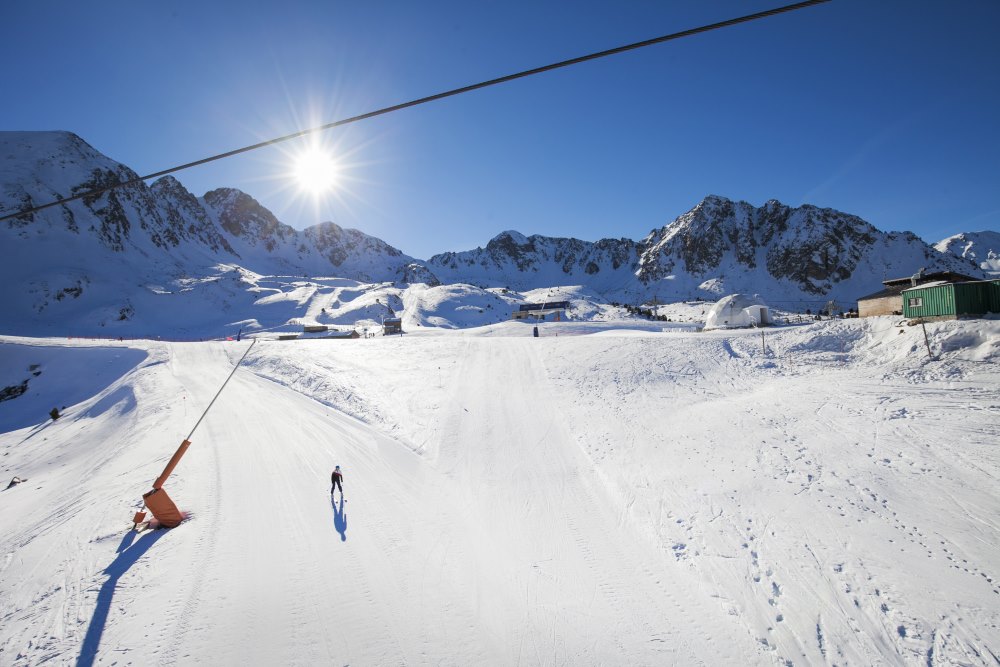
x=631 y=497
x=981 y=247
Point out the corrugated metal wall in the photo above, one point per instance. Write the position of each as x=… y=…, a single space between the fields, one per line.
x=974 y=298
x=977 y=298
x=994 y=301
x=934 y=301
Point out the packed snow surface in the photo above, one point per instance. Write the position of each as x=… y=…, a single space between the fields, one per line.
x=602 y=494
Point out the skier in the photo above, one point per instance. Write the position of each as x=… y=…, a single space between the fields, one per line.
x=336 y=479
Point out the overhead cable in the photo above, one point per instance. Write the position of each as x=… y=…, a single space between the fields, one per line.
x=425 y=100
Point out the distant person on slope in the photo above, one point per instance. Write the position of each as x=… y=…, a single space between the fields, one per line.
x=336 y=479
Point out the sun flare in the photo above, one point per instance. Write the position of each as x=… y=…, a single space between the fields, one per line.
x=315 y=171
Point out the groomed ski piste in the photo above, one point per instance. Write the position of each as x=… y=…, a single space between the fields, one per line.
x=604 y=494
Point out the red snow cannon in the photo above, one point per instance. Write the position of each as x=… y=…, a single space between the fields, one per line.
x=157 y=500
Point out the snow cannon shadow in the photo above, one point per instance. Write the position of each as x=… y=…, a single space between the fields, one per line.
x=129 y=552
x=339 y=517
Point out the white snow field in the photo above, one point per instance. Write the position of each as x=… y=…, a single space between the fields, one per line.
x=594 y=496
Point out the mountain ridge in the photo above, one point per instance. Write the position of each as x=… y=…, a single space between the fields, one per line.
x=126 y=239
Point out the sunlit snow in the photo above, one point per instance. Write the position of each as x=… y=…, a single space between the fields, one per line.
x=606 y=493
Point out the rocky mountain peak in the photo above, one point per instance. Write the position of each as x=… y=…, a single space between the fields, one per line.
x=39 y=167
x=510 y=244
x=24 y=150
x=337 y=244
x=511 y=236
x=185 y=218
x=982 y=248
x=250 y=224
x=814 y=250
x=243 y=216
x=170 y=186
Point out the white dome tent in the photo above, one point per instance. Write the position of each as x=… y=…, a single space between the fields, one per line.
x=737 y=311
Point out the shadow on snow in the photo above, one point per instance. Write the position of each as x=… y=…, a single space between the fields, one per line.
x=339 y=517
x=129 y=551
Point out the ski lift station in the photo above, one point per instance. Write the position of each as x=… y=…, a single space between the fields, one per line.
x=738 y=311
x=550 y=310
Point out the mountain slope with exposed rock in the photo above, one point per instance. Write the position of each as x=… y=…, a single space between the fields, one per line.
x=113 y=258
x=983 y=248
x=87 y=263
x=802 y=254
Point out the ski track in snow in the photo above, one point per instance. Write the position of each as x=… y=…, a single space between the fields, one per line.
x=824 y=496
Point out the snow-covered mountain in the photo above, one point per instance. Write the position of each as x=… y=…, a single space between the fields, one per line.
x=89 y=262
x=983 y=248
x=514 y=260
x=718 y=247
x=115 y=260
x=805 y=252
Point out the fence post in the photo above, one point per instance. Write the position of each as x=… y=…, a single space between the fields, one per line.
x=927 y=341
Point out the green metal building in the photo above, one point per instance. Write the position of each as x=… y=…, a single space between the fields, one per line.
x=952 y=300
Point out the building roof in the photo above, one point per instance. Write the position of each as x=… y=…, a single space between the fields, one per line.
x=947 y=276
x=351 y=333
x=939 y=283
x=549 y=305
x=895 y=286
x=895 y=290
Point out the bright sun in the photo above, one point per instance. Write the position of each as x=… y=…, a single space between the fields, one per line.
x=315 y=171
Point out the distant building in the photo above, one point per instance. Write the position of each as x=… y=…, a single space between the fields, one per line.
x=949 y=301
x=392 y=325
x=346 y=335
x=322 y=332
x=889 y=300
x=738 y=311
x=549 y=310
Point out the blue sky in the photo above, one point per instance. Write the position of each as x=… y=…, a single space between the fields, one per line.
x=887 y=110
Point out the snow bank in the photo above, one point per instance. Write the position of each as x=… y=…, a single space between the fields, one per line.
x=55 y=377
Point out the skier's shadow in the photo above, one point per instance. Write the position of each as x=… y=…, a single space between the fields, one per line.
x=339 y=517
x=129 y=551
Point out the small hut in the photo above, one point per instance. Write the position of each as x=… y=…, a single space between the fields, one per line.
x=392 y=325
